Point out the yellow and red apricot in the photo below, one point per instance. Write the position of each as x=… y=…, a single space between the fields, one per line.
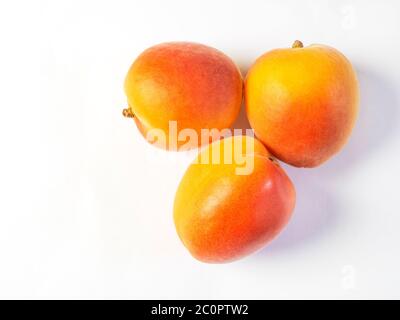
x=221 y=215
x=302 y=102
x=188 y=85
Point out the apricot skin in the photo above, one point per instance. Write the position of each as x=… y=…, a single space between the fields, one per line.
x=193 y=84
x=302 y=103
x=221 y=216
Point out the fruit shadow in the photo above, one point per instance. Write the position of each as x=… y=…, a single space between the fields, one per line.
x=318 y=207
x=242 y=122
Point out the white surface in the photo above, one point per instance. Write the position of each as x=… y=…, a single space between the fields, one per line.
x=86 y=204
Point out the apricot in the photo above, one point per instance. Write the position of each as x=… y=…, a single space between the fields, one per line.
x=302 y=102
x=222 y=214
x=193 y=85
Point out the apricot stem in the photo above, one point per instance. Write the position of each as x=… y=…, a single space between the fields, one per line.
x=297 y=44
x=273 y=160
x=128 y=113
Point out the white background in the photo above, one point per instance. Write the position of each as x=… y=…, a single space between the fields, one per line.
x=86 y=203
